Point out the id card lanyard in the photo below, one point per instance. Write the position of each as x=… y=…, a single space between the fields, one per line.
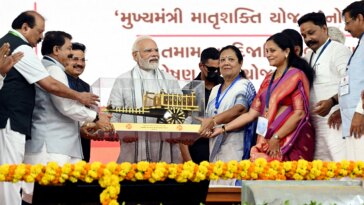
x=347 y=67
x=262 y=125
x=218 y=100
x=344 y=87
x=269 y=91
x=323 y=49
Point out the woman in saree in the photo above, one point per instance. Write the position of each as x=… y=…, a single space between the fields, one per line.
x=228 y=101
x=281 y=107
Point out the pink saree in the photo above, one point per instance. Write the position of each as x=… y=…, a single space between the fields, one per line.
x=291 y=93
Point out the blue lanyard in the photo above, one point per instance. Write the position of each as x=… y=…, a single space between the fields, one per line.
x=217 y=101
x=49 y=59
x=270 y=85
x=354 y=51
x=326 y=44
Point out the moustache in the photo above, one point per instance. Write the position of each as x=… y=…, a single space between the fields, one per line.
x=153 y=59
x=39 y=40
x=311 y=42
x=78 y=66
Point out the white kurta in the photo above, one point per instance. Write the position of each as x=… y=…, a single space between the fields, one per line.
x=329 y=68
x=127 y=91
x=349 y=103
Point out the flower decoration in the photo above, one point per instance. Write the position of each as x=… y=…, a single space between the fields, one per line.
x=110 y=175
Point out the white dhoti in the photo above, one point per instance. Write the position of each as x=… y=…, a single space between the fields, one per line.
x=330 y=145
x=12 y=147
x=354 y=148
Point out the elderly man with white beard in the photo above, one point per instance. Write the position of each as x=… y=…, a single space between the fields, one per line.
x=128 y=91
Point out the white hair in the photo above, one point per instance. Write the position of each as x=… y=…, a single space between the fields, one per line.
x=336 y=34
x=140 y=38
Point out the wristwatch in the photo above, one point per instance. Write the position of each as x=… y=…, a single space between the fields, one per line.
x=275 y=136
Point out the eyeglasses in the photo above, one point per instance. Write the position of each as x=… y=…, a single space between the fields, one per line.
x=348 y=21
x=79 y=59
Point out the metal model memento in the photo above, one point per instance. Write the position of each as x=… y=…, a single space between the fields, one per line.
x=167 y=108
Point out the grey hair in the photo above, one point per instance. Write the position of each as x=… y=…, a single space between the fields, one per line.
x=140 y=38
x=336 y=34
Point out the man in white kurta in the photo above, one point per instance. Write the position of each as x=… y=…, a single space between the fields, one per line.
x=56 y=121
x=351 y=106
x=329 y=59
x=128 y=91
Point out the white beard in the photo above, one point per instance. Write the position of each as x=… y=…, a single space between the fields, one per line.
x=145 y=64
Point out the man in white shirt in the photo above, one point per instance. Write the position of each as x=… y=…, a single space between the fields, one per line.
x=329 y=59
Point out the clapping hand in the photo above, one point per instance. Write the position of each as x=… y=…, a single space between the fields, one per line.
x=6 y=61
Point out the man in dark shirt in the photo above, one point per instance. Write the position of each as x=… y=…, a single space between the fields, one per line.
x=73 y=71
x=210 y=74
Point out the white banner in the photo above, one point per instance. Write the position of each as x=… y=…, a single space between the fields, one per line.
x=182 y=29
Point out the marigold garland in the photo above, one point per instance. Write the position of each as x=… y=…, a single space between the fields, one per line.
x=109 y=175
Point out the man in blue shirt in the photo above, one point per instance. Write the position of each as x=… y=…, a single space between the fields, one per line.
x=352 y=84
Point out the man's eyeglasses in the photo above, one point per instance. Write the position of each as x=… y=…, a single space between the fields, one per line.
x=348 y=21
x=79 y=59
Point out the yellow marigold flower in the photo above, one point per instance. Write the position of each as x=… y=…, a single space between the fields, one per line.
x=275 y=164
x=345 y=164
x=331 y=166
x=254 y=175
x=260 y=162
x=142 y=166
x=139 y=176
x=111 y=174
x=232 y=166
x=297 y=177
x=245 y=164
x=19 y=172
x=125 y=167
x=95 y=166
x=111 y=166
x=4 y=170
x=204 y=163
x=287 y=166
